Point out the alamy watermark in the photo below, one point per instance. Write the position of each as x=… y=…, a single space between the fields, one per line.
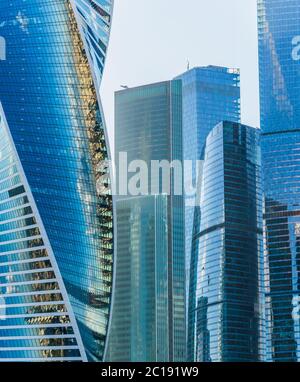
x=2 y=49
x=296 y=49
x=141 y=178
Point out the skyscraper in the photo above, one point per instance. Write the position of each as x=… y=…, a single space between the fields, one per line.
x=140 y=326
x=279 y=63
x=227 y=316
x=150 y=277
x=210 y=95
x=56 y=250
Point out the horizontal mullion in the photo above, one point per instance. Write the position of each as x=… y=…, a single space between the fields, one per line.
x=50 y=303
x=54 y=336
x=37 y=293
x=52 y=314
x=32 y=282
x=28 y=261
x=41 y=270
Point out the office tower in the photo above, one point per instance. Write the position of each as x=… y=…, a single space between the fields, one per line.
x=210 y=95
x=279 y=63
x=150 y=279
x=140 y=321
x=56 y=244
x=230 y=237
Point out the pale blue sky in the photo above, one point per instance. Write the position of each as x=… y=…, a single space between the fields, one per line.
x=152 y=40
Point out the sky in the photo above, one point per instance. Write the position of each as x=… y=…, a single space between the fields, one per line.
x=152 y=40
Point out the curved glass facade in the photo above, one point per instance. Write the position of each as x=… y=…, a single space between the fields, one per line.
x=210 y=95
x=227 y=319
x=36 y=319
x=150 y=273
x=55 y=53
x=141 y=288
x=279 y=55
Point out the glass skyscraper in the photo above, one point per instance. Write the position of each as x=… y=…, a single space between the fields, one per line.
x=56 y=223
x=139 y=330
x=279 y=63
x=148 y=320
x=210 y=95
x=227 y=315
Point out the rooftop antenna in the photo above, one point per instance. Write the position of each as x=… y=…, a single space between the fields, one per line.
x=188 y=65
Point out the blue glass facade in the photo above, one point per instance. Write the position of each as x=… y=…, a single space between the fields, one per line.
x=37 y=321
x=279 y=56
x=49 y=92
x=141 y=288
x=230 y=238
x=210 y=95
x=148 y=127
